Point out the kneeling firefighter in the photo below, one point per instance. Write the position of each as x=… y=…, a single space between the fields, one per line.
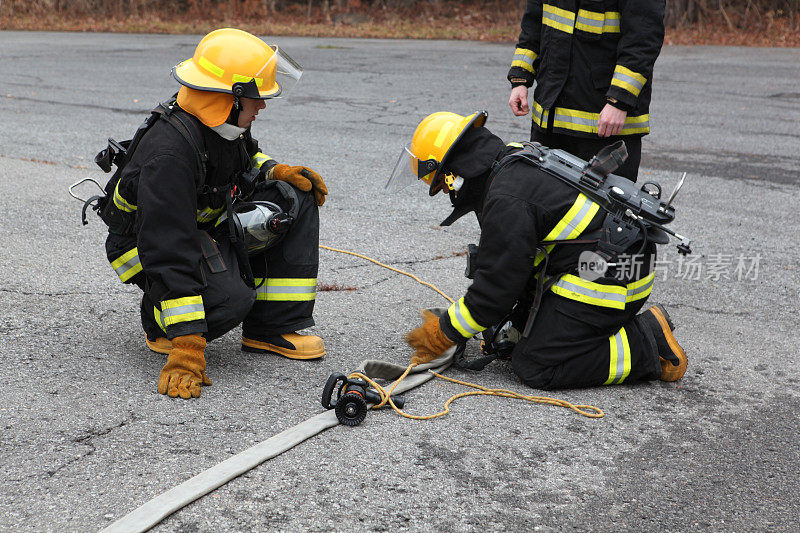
x=572 y=328
x=215 y=232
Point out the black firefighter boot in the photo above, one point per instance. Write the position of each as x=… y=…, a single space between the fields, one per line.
x=673 y=358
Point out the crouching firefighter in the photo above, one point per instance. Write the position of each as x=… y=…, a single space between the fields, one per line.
x=565 y=260
x=213 y=231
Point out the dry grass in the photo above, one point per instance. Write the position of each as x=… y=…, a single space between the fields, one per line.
x=481 y=21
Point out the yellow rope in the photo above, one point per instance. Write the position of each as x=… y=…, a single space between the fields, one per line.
x=390 y=268
x=386 y=395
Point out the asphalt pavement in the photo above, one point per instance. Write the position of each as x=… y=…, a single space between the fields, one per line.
x=85 y=438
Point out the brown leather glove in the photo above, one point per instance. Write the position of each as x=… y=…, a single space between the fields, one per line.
x=428 y=340
x=185 y=370
x=303 y=178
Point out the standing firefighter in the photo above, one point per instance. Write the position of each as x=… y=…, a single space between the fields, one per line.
x=576 y=330
x=213 y=231
x=592 y=61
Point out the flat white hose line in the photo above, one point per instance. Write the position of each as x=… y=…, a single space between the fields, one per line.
x=163 y=505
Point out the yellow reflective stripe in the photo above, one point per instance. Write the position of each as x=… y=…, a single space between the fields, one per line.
x=127 y=265
x=588 y=292
x=639 y=289
x=539 y=115
x=121 y=203
x=286 y=289
x=259 y=159
x=576 y=219
x=211 y=67
x=462 y=320
x=443 y=135
x=238 y=78
x=611 y=24
x=558 y=18
x=576 y=120
x=183 y=309
x=208 y=214
x=515 y=145
x=619 y=365
x=629 y=80
x=159 y=320
x=524 y=58
x=589 y=21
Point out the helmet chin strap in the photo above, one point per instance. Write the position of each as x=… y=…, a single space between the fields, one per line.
x=233 y=118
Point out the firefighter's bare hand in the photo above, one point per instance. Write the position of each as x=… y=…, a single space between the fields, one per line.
x=611 y=121
x=303 y=178
x=185 y=370
x=519 y=100
x=428 y=340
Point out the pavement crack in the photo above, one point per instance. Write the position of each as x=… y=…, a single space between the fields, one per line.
x=88 y=440
x=709 y=311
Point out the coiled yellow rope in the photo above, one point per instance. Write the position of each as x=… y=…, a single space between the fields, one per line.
x=386 y=394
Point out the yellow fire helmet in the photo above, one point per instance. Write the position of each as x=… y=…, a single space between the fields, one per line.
x=235 y=62
x=426 y=156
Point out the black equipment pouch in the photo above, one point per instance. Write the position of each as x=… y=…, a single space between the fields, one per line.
x=119 y=154
x=211 y=254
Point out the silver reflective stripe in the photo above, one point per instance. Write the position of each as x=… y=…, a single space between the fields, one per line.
x=593 y=294
x=633 y=82
x=558 y=18
x=462 y=320
x=133 y=262
x=574 y=221
x=587 y=23
x=620 y=359
x=640 y=127
x=168 y=315
x=639 y=290
x=583 y=123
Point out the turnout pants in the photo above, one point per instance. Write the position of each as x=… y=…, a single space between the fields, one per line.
x=587 y=148
x=285 y=278
x=574 y=344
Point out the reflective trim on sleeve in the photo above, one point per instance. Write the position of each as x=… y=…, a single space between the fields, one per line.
x=576 y=120
x=524 y=59
x=127 y=265
x=286 y=289
x=207 y=214
x=259 y=159
x=611 y=24
x=558 y=18
x=619 y=365
x=183 y=309
x=629 y=80
x=121 y=202
x=462 y=320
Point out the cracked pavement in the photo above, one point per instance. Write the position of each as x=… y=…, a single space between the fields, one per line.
x=85 y=437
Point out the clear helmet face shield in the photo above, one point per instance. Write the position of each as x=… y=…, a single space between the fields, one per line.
x=287 y=71
x=406 y=170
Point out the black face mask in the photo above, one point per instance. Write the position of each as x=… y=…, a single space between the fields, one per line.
x=472 y=159
x=233 y=118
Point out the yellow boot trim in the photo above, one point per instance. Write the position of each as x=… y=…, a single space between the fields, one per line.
x=670 y=372
x=308 y=346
